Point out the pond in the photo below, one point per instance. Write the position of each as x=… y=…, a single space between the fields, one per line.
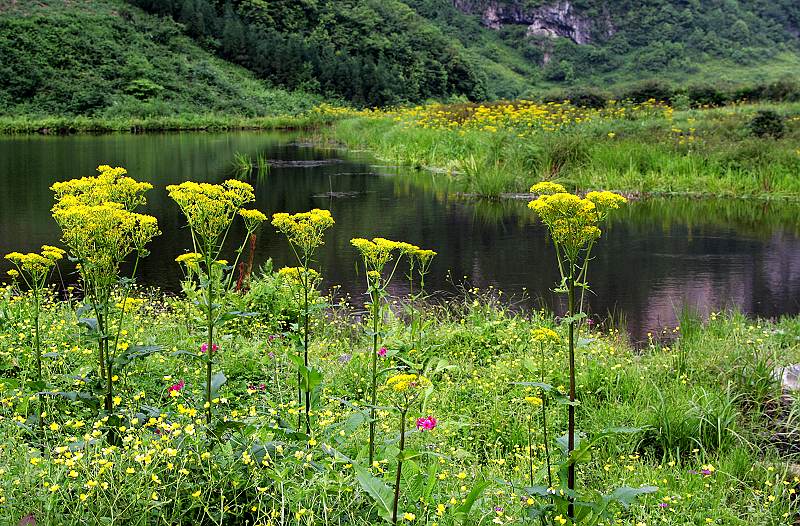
x=655 y=257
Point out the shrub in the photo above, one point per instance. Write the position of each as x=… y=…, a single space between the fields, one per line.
x=767 y=123
x=650 y=89
x=706 y=95
x=588 y=98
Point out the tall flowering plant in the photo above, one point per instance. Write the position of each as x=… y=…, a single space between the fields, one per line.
x=34 y=269
x=572 y=222
x=210 y=210
x=101 y=230
x=305 y=232
x=377 y=254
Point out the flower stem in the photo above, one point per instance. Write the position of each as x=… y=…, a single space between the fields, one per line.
x=374 y=388
x=571 y=423
x=399 y=465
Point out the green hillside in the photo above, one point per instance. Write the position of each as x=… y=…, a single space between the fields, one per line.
x=115 y=59
x=106 y=59
x=379 y=52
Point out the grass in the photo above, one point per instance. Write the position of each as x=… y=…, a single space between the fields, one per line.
x=10 y=125
x=707 y=152
x=701 y=416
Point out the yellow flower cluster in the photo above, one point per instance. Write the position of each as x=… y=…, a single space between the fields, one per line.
x=571 y=220
x=304 y=230
x=210 y=208
x=545 y=335
x=296 y=275
x=403 y=382
x=97 y=222
x=111 y=185
x=36 y=265
x=252 y=219
x=378 y=252
x=190 y=258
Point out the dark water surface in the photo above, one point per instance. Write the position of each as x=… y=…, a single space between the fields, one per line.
x=655 y=256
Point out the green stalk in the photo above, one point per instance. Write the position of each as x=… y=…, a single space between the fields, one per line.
x=399 y=465
x=374 y=392
x=210 y=348
x=39 y=402
x=544 y=425
x=571 y=423
x=305 y=343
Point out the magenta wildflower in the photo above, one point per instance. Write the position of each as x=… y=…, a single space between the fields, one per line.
x=176 y=388
x=204 y=348
x=427 y=423
x=382 y=352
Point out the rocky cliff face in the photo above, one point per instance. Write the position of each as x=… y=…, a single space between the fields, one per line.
x=554 y=19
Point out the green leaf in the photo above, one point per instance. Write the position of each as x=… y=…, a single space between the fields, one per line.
x=88 y=399
x=217 y=381
x=135 y=352
x=378 y=490
x=626 y=495
x=462 y=512
x=89 y=323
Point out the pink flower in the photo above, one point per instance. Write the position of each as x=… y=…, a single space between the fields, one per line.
x=382 y=352
x=427 y=423
x=176 y=388
x=204 y=348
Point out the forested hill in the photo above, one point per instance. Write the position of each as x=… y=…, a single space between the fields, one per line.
x=387 y=51
x=128 y=57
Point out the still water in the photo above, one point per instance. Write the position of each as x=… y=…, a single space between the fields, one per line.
x=655 y=256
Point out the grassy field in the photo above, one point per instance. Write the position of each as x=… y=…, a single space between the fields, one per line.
x=712 y=433
x=645 y=149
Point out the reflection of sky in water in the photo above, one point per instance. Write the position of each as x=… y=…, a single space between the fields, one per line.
x=655 y=256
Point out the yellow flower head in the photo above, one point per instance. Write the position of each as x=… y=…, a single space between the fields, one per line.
x=401 y=383
x=252 y=219
x=545 y=335
x=547 y=188
x=111 y=185
x=98 y=223
x=304 y=230
x=376 y=253
x=534 y=400
x=210 y=208
x=572 y=221
x=605 y=202
x=35 y=266
x=299 y=275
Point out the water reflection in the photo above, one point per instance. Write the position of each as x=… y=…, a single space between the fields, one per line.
x=654 y=257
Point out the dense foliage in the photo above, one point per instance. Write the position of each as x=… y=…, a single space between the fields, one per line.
x=369 y=52
x=110 y=60
x=631 y=39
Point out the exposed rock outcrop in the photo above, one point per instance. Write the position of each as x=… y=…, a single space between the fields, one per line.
x=556 y=19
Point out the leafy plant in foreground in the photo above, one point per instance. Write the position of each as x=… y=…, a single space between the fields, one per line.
x=305 y=232
x=210 y=210
x=34 y=269
x=572 y=222
x=101 y=230
x=376 y=255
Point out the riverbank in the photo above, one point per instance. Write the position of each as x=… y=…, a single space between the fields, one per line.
x=699 y=406
x=19 y=125
x=645 y=149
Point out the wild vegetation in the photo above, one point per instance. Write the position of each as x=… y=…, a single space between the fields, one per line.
x=107 y=62
x=256 y=398
x=739 y=150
